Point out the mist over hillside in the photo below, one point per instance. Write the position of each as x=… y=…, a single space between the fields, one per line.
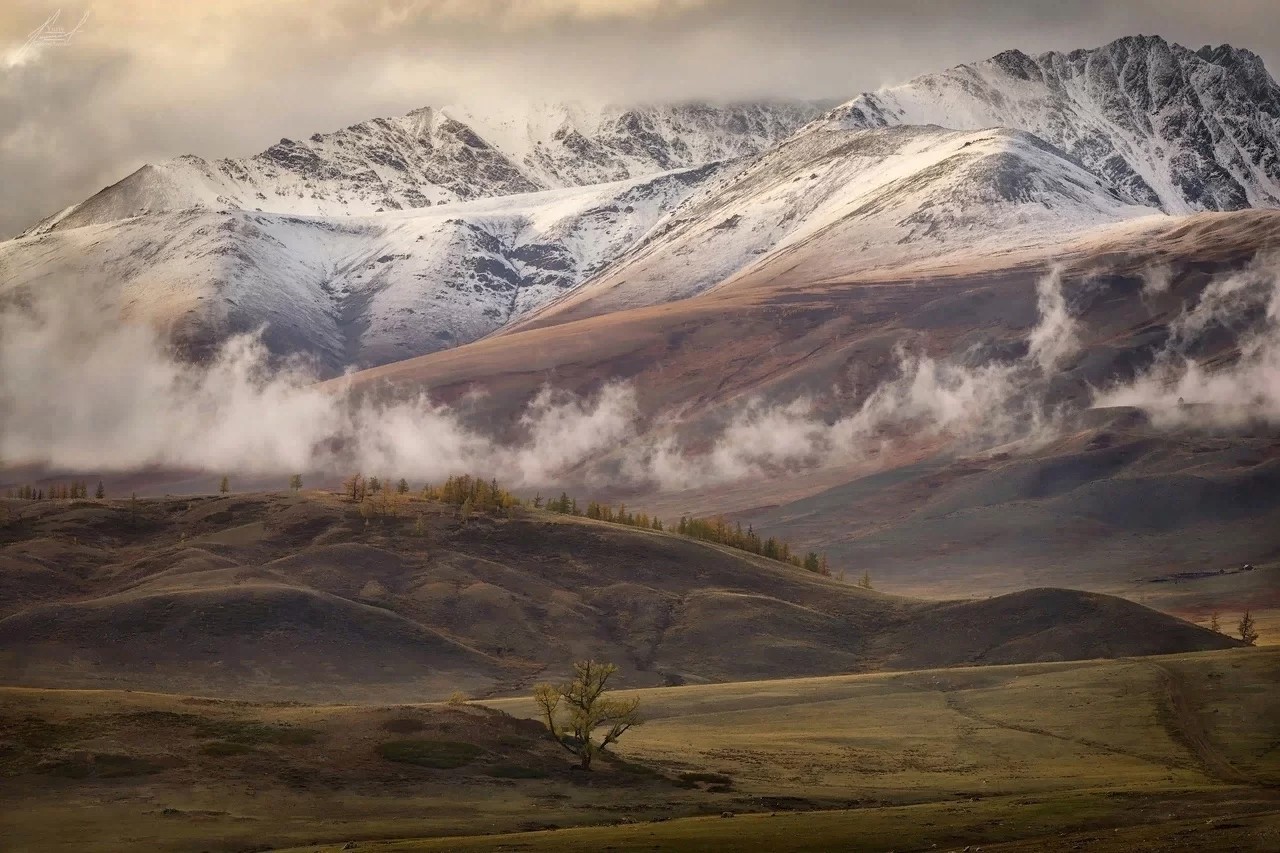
x=640 y=470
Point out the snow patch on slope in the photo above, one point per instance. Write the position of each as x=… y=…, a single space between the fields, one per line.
x=349 y=291
x=852 y=200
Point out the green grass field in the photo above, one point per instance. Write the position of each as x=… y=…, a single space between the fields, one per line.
x=1155 y=751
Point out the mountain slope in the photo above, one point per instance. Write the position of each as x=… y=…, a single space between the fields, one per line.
x=442 y=156
x=348 y=290
x=399 y=237
x=1162 y=125
x=298 y=596
x=836 y=201
x=394 y=237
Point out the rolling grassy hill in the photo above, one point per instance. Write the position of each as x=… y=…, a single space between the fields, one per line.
x=269 y=596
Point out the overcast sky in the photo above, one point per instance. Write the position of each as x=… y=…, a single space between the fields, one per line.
x=143 y=80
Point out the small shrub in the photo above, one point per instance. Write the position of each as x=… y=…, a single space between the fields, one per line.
x=457 y=697
x=34 y=733
x=221 y=748
x=293 y=737
x=516 y=771
x=241 y=731
x=102 y=766
x=167 y=719
x=436 y=754
x=403 y=725
x=629 y=768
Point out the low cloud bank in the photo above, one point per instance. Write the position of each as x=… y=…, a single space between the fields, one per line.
x=1180 y=390
x=79 y=393
x=996 y=402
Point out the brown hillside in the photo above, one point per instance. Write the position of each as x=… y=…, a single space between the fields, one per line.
x=261 y=595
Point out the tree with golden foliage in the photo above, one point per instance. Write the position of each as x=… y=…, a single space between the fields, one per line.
x=576 y=709
x=354 y=488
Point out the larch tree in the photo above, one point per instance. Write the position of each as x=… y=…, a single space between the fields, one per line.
x=577 y=709
x=1248 y=629
x=354 y=488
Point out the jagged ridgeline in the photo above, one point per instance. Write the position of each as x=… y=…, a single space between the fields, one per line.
x=399 y=237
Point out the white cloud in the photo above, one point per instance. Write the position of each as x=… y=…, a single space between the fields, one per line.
x=144 y=81
x=1181 y=391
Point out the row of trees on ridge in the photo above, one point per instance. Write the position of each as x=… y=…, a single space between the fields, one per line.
x=78 y=490
x=379 y=497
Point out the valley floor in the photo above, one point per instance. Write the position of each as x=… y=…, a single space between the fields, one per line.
x=1177 y=752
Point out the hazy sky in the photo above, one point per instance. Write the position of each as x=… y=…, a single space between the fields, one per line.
x=147 y=79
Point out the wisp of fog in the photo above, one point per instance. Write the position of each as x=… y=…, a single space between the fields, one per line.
x=78 y=393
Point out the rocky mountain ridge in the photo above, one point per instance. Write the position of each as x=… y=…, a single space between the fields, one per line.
x=1165 y=126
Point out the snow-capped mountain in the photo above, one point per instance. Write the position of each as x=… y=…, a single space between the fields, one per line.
x=350 y=290
x=440 y=156
x=398 y=237
x=394 y=237
x=833 y=201
x=1163 y=125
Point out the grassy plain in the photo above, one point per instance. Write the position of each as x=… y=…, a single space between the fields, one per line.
x=1155 y=751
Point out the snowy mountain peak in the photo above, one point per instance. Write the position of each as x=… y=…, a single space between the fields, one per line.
x=398 y=236
x=444 y=155
x=1162 y=125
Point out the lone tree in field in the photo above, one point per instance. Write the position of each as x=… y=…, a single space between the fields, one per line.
x=295 y=482
x=225 y=485
x=574 y=710
x=1248 y=631
x=1214 y=624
